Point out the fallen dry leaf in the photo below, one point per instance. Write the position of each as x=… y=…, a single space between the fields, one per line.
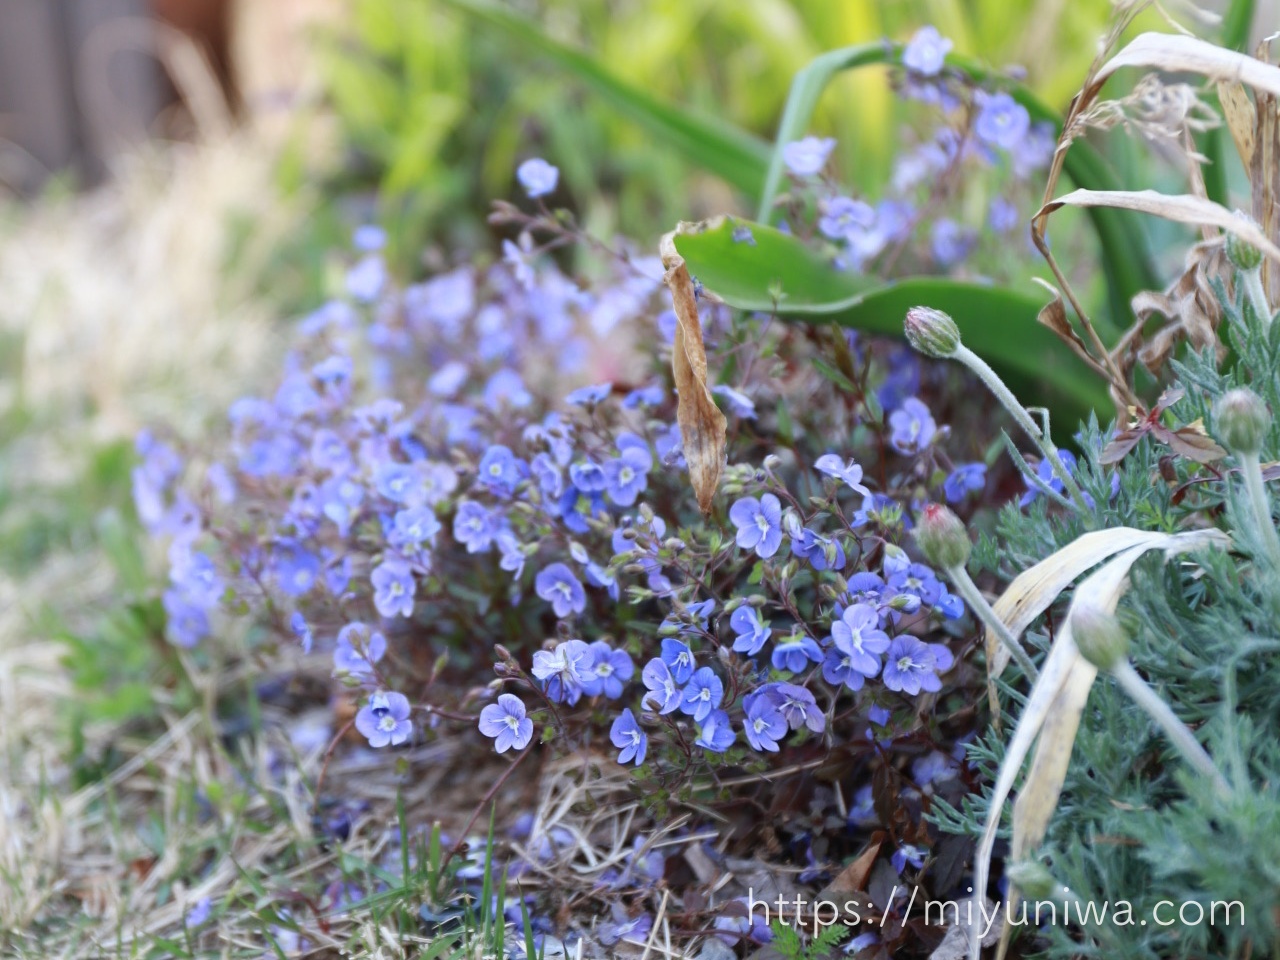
x=702 y=425
x=853 y=878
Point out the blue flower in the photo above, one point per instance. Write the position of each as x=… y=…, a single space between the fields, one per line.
x=385 y=719
x=702 y=695
x=630 y=740
x=670 y=446
x=545 y=471
x=740 y=405
x=395 y=481
x=963 y=480
x=914 y=579
x=414 y=530
x=557 y=585
x=1002 y=216
x=367 y=278
x=663 y=695
x=949 y=242
x=650 y=396
x=797 y=706
x=807 y=157
x=512 y=554
x=949 y=605
x=368 y=237
x=716 y=734
x=474 y=526
x=849 y=473
x=742 y=234
x=679 y=658
x=506 y=722
x=589 y=395
x=500 y=470
x=609 y=672
x=913 y=666
x=358 y=649
x=911 y=426
x=302 y=630
x=589 y=477
x=394 y=588
x=295 y=568
x=185 y=623
x=906 y=853
x=198 y=915
x=752 y=632
x=925 y=52
x=1044 y=471
x=538 y=177
x=822 y=553
x=194 y=574
x=764 y=725
x=564 y=670
x=795 y=652
x=1002 y=121
x=844 y=215
x=627 y=475
x=506 y=387
x=859 y=641
x=759 y=524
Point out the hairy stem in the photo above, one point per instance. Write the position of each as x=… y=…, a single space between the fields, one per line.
x=1251 y=468
x=968 y=590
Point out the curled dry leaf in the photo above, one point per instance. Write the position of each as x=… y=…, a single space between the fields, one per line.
x=1181 y=208
x=1056 y=703
x=1184 y=54
x=702 y=425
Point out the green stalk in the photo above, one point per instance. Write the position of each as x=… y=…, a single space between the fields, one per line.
x=969 y=592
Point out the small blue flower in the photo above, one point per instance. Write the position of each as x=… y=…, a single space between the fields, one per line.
x=557 y=585
x=302 y=630
x=367 y=278
x=1002 y=121
x=589 y=477
x=384 y=720
x=538 y=177
x=198 y=915
x=949 y=242
x=650 y=396
x=907 y=854
x=564 y=670
x=912 y=427
x=295 y=568
x=395 y=481
x=703 y=694
x=1044 y=471
x=663 y=694
x=500 y=470
x=609 y=672
x=843 y=216
x=369 y=238
x=822 y=553
x=512 y=554
x=630 y=740
x=1002 y=216
x=679 y=658
x=764 y=725
x=185 y=623
x=474 y=526
x=627 y=475
x=797 y=706
x=752 y=632
x=742 y=234
x=589 y=395
x=715 y=733
x=910 y=666
x=394 y=588
x=859 y=641
x=795 y=653
x=849 y=473
x=414 y=530
x=358 y=649
x=759 y=524
x=963 y=480
x=926 y=52
x=740 y=405
x=807 y=157
x=506 y=722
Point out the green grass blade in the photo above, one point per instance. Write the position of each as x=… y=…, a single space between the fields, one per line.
x=708 y=141
x=997 y=323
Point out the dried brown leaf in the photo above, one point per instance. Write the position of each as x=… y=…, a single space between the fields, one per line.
x=1054 y=316
x=1181 y=208
x=702 y=425
x=853 y=878
x=1240 y=117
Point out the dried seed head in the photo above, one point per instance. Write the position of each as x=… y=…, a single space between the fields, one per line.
x=1242 y=420
x=932 y=332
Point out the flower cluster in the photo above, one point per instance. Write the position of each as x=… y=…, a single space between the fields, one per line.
x=980 y=130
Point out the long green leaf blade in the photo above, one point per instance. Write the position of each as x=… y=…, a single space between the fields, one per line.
x=710 y=142
x=778 y=272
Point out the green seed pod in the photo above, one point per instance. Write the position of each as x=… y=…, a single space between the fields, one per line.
x=1243 y=256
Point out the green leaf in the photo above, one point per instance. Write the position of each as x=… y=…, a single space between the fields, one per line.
x=1126 y=253
x=999 y=324
x=708 y=141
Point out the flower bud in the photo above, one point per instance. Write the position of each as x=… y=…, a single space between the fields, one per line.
x=1242 y=420
x=1243 y=256
x=932 y=332
x=942 y=538
x=772 y=462
x=1099 y=637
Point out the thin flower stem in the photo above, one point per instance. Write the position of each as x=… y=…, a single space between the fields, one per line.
x=1023 y=419
x=1261 y=506
x=978 y=603
x=1174 y=729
